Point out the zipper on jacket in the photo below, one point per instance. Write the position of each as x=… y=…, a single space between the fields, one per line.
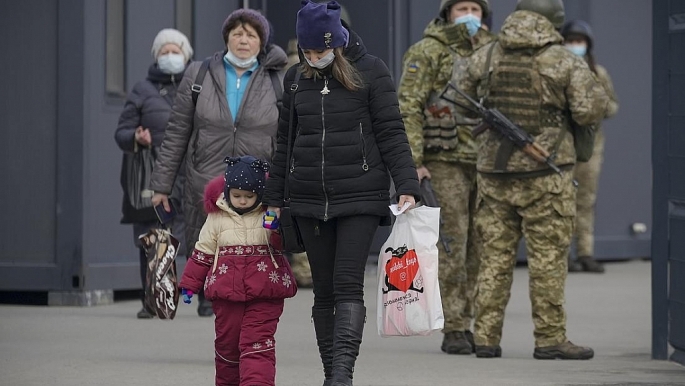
x=242 y=107
x=365 y=166
x=324 y=91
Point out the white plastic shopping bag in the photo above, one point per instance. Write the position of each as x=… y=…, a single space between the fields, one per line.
x=409 y=300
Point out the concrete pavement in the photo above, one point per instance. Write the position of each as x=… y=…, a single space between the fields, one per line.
x=107 y=345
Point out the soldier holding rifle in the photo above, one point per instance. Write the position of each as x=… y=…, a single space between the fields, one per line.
x=525 y=182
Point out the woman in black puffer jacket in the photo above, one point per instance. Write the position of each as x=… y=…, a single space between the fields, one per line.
x=143 y=122
x=347 y=134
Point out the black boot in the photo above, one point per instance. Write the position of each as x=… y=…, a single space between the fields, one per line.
x=589 y=264
x=347 y=336
x=323 y=327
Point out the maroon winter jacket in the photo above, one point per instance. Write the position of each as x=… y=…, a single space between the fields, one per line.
x=235 y=258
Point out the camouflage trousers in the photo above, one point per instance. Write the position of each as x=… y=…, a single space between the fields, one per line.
x=542 y=211
x=587 y=175
x=455 y=189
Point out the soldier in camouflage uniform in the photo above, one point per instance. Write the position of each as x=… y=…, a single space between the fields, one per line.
x=445 y=151
x=578 y=39
x=540 y=86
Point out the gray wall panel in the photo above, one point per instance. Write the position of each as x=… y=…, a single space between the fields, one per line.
x=209 y=17
x=104 y=239
x=625 y=185
x=28 y=119
x=143 y=20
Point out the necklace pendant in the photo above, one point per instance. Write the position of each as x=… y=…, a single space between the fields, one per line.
x=325 y=90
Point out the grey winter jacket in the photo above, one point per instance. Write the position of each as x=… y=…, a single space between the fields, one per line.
x=207 y=133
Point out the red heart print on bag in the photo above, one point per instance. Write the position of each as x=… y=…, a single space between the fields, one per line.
x=401 y=270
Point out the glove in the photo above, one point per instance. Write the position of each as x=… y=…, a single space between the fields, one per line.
x=187 y=295
x=271 y=220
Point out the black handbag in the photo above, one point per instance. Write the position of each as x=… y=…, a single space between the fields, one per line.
x=290 y=233
x=138 y=168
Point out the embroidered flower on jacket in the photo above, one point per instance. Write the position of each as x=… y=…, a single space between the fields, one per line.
x=261 y=267
x=257 y=346
x=223 y=269
x=269 y=343
x=274 y=276
x=286 y=280
x=212 y=279
x=239 y=250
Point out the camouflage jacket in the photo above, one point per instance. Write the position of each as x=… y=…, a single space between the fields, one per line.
x=605 y=80
x=562 y=84
x=428 y=67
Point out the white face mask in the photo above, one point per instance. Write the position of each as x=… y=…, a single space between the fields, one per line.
x=323 y=62
x=171 y=63
x=240 y=63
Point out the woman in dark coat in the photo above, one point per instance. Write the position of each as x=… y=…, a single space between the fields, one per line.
x=347 y=134
x=142 y=123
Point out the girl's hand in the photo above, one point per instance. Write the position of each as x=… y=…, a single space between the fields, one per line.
x=274 y=209
x=270 y=220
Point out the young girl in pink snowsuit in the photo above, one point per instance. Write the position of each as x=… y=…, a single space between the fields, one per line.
x=242 y=274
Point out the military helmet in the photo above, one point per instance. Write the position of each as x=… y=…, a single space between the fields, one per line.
x=553 y=10
x=578 y=27
x=445 y=5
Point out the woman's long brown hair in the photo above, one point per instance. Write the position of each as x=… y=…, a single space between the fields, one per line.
x=343 y=71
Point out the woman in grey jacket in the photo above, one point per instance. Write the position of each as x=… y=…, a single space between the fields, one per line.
x=236 y=114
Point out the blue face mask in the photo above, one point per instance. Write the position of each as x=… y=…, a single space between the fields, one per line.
x=472 y=23
x=578 y=49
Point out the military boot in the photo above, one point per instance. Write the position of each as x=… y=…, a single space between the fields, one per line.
x=469 y=337
x=347 y=337
x=323 y=327
x=455 y=342
x=565 y=350
x=574 y=266
x=488 y=351
x=589 y=264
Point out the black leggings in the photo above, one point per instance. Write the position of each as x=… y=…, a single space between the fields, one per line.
x=338 y=250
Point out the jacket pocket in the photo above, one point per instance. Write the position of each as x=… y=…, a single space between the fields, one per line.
x=265 y=278
x=222 y=282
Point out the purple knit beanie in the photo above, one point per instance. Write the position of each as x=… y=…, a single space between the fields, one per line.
x=250 y=16
x=319 y=27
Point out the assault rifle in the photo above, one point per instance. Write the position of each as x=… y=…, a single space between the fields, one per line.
x=429 y=199
x=494 y=119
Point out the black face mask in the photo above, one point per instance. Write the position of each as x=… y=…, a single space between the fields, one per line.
x=242 y=211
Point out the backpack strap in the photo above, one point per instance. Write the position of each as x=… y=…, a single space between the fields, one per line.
x=293 y=89
x=278 y=87
x=485 y=78
x=197 y=86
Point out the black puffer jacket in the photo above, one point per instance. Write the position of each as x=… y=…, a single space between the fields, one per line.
x=148 y=105
x=344 y=144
